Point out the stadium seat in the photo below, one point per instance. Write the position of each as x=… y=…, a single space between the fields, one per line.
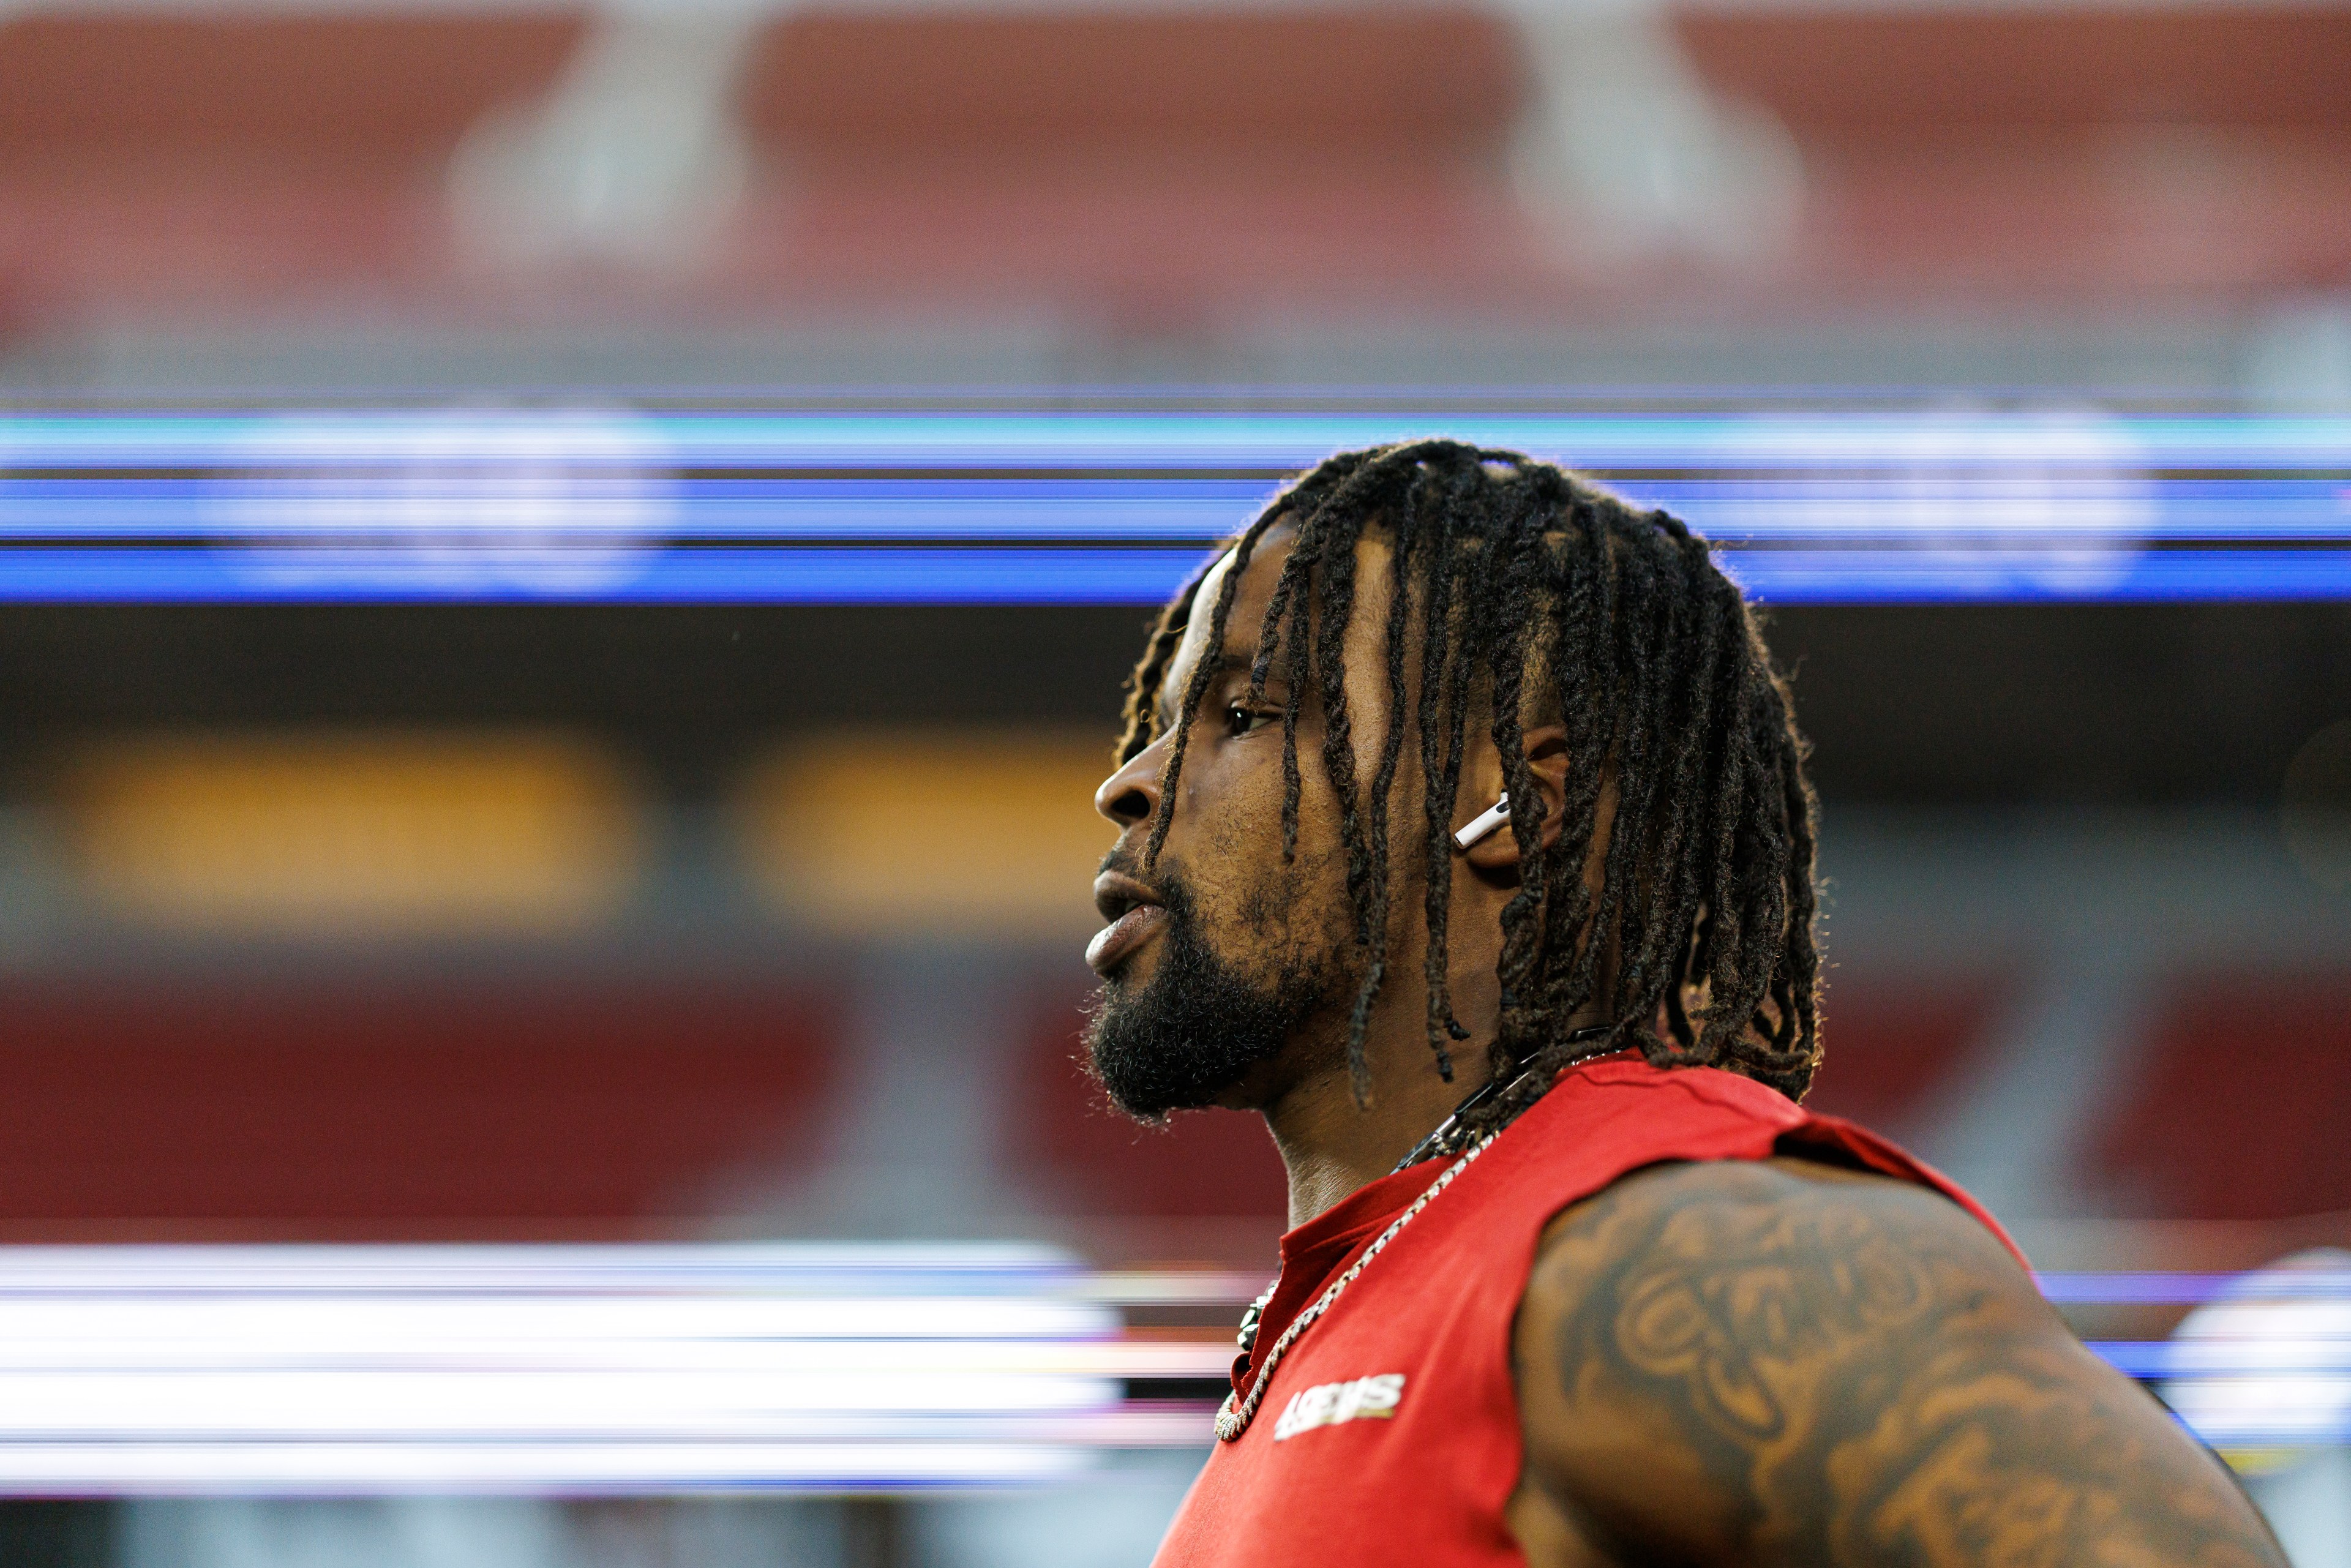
x=1889 y=1045
x=2239 y=1104
x=386 y=1111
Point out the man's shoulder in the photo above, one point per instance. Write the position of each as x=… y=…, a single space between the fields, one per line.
x=1794 y=1215
x=1740 y=1290
x=1779 y=1360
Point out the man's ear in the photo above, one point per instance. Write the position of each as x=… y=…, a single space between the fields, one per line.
x=1546 y=752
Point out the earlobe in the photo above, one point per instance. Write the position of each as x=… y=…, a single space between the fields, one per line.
x=1487 y=840
x=1495 y=849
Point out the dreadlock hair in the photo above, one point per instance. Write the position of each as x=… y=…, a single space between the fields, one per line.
x=1541 y=591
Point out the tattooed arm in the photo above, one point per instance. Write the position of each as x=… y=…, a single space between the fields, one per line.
x=1785 y=1362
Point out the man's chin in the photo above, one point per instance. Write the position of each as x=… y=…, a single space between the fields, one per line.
x=1177 y=1028
x=1144 y=1074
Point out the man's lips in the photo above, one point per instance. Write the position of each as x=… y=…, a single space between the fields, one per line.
x=1135 y=913
x=1115 y=942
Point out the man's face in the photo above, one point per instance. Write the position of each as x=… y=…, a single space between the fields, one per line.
x=1220 y=957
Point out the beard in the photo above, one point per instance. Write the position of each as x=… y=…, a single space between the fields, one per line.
x=1187 y=1034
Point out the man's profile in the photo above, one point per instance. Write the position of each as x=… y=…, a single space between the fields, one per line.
x=1572 y=1278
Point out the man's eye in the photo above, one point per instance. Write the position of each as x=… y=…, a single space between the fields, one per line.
x=1240 y=720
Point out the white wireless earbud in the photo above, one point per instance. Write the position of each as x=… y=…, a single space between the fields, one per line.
x=1494 y=817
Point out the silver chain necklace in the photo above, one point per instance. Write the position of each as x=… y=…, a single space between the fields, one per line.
x=1233 y=1418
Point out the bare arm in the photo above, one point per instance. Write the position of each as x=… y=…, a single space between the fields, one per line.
x=1786 y=1364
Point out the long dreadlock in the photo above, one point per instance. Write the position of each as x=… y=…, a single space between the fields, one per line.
x=1542 y=592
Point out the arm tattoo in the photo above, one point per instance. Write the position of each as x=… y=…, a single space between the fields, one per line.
x=1840 y=1370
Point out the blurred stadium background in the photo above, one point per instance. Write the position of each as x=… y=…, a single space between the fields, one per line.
x=565 y=574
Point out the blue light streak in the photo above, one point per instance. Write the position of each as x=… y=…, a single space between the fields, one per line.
x=1115 y=508
x=2135 y=1287
x=1270 y=442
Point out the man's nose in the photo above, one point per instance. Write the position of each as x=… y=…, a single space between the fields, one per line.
x=1130 y=796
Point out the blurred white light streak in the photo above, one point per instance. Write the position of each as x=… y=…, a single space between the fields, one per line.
x=548 y=501
x=651 y=1369
x=1169 y=1285
x=2268 y=1363
x=530 y=1469
x=552 y=1368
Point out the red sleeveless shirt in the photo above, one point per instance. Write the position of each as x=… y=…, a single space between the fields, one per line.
x=1390 y=1433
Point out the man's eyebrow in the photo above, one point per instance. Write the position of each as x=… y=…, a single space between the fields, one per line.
x=1233 y=662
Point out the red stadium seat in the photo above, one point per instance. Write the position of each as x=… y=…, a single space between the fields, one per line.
x=2241 y=1106
x=395 y=1113
x=1890 y=1046
x=295 y=90
x=197 y=161
x=1163 y=171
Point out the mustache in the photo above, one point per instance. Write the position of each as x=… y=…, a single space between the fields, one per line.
x=1166 y=885
x=1126 y=862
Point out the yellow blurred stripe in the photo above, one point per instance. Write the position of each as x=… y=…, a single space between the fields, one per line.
x=985 y=832
x=355 y=833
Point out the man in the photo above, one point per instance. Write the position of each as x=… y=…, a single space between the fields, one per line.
x=1466 y=837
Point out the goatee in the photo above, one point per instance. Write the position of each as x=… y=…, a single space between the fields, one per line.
x=1187 y=1034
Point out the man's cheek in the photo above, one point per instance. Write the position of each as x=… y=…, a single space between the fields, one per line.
x=1281 y=903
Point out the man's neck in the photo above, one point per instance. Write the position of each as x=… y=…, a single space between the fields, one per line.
x=1332 y=1146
